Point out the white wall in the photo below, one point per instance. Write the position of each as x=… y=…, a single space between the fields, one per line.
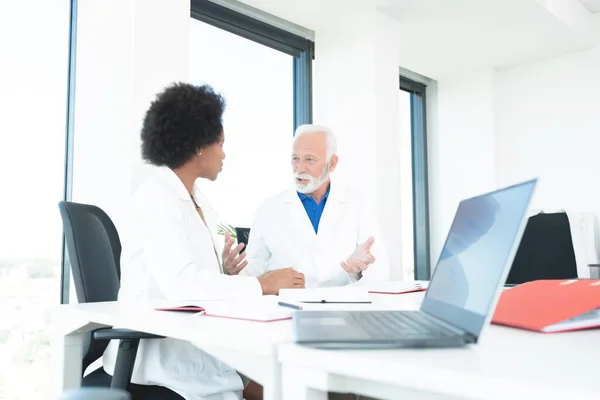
x=120 y=66
x=461 y=145
x=547 y=120
x=496 y=128
x=355 y=84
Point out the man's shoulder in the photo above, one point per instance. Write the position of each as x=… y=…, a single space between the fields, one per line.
x=349 y=193
x=280 y=197
x=274 y=202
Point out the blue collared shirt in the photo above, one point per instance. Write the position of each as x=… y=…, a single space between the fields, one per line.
x=314 y=210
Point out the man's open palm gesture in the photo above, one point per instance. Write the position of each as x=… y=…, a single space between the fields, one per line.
x=360 y=259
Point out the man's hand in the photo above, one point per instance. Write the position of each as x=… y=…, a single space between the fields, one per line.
x=285 y=278
x=233 y=261
x=360 y=259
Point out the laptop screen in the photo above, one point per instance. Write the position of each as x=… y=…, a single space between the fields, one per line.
x=476 y=257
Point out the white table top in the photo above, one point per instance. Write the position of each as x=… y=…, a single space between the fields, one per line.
x=260 y=338
x=508 y=363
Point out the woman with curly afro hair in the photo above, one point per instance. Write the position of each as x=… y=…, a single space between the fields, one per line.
x=169 y=249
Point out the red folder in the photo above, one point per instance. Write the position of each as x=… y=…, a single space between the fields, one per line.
x=550 y=305
x=397 y=287
x=261 y=309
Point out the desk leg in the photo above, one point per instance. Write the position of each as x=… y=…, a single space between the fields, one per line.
x=66 y=355
x=294 y=386
x=272 y=382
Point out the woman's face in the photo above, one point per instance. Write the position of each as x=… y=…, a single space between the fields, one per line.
x=210 y=159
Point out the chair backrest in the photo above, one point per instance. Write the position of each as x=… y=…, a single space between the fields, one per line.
x=242 y=236
x=94 y=251
x=546 y=250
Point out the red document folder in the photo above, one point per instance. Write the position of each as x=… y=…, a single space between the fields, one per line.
x=261 y=309
x=550 y=305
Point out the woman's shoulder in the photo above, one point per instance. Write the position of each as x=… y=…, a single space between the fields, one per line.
x=152 y=191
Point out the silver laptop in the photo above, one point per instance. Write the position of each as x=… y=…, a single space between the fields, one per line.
x=463 y=292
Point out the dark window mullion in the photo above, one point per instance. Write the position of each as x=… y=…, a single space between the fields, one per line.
x=420 y=184
x=420 y=188
x=65 y=276
x=303 y=89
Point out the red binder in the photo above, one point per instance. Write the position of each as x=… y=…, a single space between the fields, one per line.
x=261 y=309
x=550 y=305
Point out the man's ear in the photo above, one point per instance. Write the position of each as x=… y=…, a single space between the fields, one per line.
x=333 y=162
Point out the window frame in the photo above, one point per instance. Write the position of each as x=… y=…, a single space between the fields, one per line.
x=65 y=275
x=300 y=48
x=420 y=181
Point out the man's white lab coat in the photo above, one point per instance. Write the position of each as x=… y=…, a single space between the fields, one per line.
x=283 y=236
x=169 y=254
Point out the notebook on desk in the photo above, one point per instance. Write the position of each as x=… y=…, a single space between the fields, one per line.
x=341 y=295
x=551 y=305
x=393 y=287
x=260 y=309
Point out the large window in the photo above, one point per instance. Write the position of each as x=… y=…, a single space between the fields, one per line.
x=415 y=205
x=264 y=75
x=33 y=99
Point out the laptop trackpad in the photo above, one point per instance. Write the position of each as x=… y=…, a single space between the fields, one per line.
x=323 y=322
x=328 y=327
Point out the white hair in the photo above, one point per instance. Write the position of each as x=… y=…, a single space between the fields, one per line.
x=329 y=136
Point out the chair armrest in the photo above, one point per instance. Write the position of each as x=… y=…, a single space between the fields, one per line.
x=123 y=334
x=129 y=341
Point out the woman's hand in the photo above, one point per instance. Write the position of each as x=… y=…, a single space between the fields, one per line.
x=233 y=261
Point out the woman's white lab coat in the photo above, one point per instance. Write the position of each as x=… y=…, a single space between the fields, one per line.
x=283 y=236
x=169 y=254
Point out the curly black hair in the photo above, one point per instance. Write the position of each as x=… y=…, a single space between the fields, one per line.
x=181 y=120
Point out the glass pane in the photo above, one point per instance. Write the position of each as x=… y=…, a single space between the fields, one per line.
x=406 y=201
x=257 y=83
x=33 y=78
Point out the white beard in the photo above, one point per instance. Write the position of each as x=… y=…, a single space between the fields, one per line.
x=313 y=183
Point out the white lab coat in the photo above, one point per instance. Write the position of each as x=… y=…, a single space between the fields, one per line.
x=168 y=254
x=282 y=236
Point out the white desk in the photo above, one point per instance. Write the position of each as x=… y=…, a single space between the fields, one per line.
x=506 y=364
x=249 y=347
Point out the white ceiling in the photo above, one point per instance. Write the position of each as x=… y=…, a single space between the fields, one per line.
x=449 y=37
x=441 y=37
x=592 y=5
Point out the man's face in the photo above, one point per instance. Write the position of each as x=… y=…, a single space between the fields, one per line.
x=309 y=162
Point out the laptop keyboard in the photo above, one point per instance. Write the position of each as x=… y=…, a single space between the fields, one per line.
x=399 y=323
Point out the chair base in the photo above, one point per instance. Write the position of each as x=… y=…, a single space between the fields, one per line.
x=99 y=378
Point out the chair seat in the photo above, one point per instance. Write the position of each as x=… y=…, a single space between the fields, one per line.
x=99 y=378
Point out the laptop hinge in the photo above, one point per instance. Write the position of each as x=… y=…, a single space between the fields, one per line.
x=470 y=337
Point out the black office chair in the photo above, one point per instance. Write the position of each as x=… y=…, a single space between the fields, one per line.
x=546 y=250
x=94 y=251
x=243 y=234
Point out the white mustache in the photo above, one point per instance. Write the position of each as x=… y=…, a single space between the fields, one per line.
x=304 y=176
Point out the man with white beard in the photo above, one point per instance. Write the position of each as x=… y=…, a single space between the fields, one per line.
x=316 y=227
